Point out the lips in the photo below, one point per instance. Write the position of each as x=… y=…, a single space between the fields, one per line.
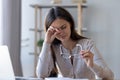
x=63 y=37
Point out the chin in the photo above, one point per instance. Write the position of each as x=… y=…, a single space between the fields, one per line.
x=64 y=40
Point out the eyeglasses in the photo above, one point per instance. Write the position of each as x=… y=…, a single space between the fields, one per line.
x=68 y=56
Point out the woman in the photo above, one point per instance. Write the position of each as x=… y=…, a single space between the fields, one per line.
x=75 y=56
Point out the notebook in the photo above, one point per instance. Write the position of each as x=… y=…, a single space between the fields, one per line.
x=6 y=69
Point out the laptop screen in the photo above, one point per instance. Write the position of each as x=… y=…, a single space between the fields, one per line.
x=6 y=69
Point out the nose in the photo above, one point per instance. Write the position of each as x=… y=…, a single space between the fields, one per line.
x=61 y=31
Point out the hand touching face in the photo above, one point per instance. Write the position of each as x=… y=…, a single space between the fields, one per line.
x=51 y=34
x=63 y=28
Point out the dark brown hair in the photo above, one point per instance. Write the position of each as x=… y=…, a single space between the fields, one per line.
x=59 y=12
x=53 y=14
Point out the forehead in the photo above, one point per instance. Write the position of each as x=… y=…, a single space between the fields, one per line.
x=59 y=22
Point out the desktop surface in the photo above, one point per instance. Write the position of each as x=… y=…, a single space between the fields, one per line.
x=51 y=78
x=63 y=79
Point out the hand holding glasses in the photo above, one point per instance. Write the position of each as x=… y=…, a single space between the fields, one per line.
x=84 y=54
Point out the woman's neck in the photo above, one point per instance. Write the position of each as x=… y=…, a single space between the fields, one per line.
x=70 y=44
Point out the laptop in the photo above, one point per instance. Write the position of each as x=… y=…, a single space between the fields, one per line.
x=6 y=69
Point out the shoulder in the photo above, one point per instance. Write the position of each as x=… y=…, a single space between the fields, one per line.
x=86 y=43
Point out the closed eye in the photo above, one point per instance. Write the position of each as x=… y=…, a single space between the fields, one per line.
x=63 y=27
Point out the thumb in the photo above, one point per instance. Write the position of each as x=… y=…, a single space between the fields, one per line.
x=53 y=36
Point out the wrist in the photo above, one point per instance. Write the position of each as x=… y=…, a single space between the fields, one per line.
x=48 y=42
x=91 y=65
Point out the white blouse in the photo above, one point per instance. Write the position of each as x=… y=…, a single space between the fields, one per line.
x=79 y=68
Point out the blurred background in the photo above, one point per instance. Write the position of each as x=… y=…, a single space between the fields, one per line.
x=100 y=21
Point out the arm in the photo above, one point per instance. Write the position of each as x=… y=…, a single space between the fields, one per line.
x=45 y=62
x=99 y=66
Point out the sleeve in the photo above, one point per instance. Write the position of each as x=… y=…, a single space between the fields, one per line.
x=45 y=62
x=100 y=68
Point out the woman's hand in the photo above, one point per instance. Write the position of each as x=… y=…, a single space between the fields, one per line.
x=88 y=57
x=51 y=34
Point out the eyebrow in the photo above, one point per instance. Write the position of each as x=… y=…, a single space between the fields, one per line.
x=60 y=26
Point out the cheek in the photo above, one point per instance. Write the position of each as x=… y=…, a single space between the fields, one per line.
x=65 y=33
x=68 y=32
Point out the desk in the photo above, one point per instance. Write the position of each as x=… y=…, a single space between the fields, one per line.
x=27 y=78
x=63 y=79
x=60 y=78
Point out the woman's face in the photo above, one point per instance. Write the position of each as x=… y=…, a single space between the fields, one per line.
x=64 y=29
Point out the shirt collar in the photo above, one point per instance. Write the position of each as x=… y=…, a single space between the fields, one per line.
x=77 y=45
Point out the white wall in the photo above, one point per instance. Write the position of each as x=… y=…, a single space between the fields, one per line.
x=102 y=21
x=0 y=22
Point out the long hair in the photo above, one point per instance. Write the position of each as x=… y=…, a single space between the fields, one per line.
x=53 y=14
x=61 y=13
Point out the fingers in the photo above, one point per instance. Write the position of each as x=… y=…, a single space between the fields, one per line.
x=88 y=57
x=51 y=34
x=53 y=30
x=86 y=54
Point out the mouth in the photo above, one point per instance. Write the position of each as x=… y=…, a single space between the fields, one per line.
x=63 y=37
